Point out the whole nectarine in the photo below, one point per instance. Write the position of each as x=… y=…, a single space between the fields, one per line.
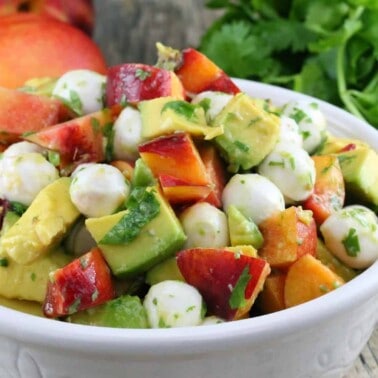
x=36 y=46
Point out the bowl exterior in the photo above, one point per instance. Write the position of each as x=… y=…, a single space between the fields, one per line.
x=321 y=338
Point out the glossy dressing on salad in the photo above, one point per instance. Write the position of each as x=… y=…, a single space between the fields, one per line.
x=167 y=197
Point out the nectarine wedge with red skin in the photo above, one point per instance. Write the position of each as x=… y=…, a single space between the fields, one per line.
x=216 y=171
x=198 y=74
x=22 y=112
x=77 y=141
x=178 y=191
x=34 y=46
x=175 y=155
x=85 y=282
x=229 y=282
x=329 y=190
x=135 y=82
x=288 y=235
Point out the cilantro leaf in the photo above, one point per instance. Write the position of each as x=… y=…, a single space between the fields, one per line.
x=237 y=298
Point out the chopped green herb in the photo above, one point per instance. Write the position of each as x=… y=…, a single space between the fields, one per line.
x=33 y=276
x=351 y=243
x=123 y=102
x=155 y=301
x=74 y=306
x=94 y=295
x=183 y=108
x=75 y=102
x=237 y=298
x=205 y=104
x=108 y=132
x=95 y=123
x=54 y=158
x=276 y=164
x=323 y=288
x=142 y=206
x=18 y=207
x=241 y=146
x=4 y=262
x=27 y=133
x=142 y=74
x=163 y=324
x=190 y=308
x=298 y=115
x=305 y=134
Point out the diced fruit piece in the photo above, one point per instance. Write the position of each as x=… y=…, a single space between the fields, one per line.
x=84 y=283
x=173 y=304
x=247 y=250
x=333 y=263
x=166 y=115
x=22 y=112
x=329 y=191
x=229 y=282
x=205 y=226
x=178 y=191
x=271 y=299
x=242 y=229
x=175 y=155
x=335 y=145
x=77 y=141
x=137 y=249
x=166 y=270
x=122 y=312
x=288 y=236
x=125 y=167
x=29 y=282
x=47 y=47
x=308 y=279
x=360 y=174
x=43 y=224
x=250 y=133
x=135 y=82
x=216 y=172
x=142 y=175
x=197 y=72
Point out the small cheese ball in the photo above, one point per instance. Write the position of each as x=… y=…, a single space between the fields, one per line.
x=82 y=90
x=205 y=226
x=21 y=148
x=351 y=234
x=98 y=189
x=255 y=196
x=293 y=171
x=22 y=177
x=289 y=132
x=311 y=121
x=173 y=304
x=127 y=134
x=213 y=102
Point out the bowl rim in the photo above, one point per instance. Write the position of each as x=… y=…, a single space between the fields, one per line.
x=44 y=332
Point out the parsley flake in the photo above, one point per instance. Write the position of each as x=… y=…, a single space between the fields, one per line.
x=351 y=243
x=237 y=298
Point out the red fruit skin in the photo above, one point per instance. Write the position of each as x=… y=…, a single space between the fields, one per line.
x=22 y=112
x=329 y=190
x=48 y=48
x=215 y=272
x=175 y=155
x=78 y=140
x=135 y=82
x=85 y=282
x=198 y=73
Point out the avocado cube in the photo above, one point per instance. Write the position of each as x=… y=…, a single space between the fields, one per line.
x=160 y=238
x=250 y=132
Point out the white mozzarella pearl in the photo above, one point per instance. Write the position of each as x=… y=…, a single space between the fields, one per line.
x=81 y=90
x=98 y=189
x=351 y=234
x=289 y=131
x=216 y=101
x=173 y=304
x=21 y=148
x=311 y=121
x=255 y=196
x=291 y=168
x=205 y=226
x=22 y=177
x=127 y=134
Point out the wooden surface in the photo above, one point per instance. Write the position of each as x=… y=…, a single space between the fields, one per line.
x=127 y=31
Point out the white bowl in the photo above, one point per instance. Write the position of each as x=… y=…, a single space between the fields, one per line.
x=321 y=338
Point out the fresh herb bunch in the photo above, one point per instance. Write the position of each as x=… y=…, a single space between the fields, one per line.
x=324 y=48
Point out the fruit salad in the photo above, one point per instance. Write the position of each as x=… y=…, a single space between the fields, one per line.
x=163 y=196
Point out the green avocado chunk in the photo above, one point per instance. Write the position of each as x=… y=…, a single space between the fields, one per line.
x=166 y=270
x=250 y=132
x=166 y=115
x=243 y=231
x=123 y=312
x=359 y=168
x=142 y=175
x=43 y=225
x=155 y=241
